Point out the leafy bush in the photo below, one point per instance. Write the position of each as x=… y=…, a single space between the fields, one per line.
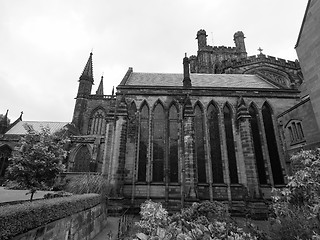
x=87 y=183
x=19 y=218
x=190 y=224
x=296 y=208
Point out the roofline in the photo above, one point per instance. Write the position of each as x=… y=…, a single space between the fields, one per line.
x=302 y=24
x=207 y=88
x=126 y=76
x=307 y=99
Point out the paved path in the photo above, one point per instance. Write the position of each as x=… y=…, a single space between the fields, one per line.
x=7 y=195
x=111 y=230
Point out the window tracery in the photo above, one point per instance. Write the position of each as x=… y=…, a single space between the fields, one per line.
x=97 y=122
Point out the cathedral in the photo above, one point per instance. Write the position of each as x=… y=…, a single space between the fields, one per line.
x=209 y=133
x=222 y=129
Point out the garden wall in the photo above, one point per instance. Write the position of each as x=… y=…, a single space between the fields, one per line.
x=76 y=217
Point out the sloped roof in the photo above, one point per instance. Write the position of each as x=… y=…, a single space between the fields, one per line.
x=198 y=80
x=20 y=127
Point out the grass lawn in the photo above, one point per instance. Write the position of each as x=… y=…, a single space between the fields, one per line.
x=7 y=195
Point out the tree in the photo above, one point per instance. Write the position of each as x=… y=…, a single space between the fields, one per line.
x=38 y=160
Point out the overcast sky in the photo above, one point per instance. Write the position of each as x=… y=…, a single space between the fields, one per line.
x=45 y=44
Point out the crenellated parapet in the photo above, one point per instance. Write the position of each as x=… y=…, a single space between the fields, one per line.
x=261 y=58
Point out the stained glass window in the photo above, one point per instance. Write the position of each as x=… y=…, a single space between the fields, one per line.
x=230 y=145
x=199 y=145
x=158 y=144
x=272 y=145
x=173 y=145
x=143 y=144
x=97 y=122
x=254 y=123
x=215 y=148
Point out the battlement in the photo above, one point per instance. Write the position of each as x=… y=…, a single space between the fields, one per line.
x=261 y=58
x=219 y=49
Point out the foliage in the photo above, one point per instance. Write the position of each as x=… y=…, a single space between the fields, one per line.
x=191 y=224
x=19 y=218
x=87 y=183
x=153 y=216
x=38 y=160
x=296 y=208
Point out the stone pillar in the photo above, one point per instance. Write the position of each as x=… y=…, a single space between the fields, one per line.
x=243 y=119
x=117 y=170
x=108 y=147
x=190 y=178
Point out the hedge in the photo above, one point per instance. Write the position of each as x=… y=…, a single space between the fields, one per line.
x=20 y=218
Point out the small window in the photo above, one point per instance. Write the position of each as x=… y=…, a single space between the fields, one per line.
x=295 y=132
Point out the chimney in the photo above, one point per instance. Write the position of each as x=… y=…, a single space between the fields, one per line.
x=186 y=74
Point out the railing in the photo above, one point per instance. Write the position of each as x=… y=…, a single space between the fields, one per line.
x=125 y=222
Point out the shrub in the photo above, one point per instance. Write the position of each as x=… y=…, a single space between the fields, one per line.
x=87 y=183
x=191 y=224
x=19 y=218
x=296 y=208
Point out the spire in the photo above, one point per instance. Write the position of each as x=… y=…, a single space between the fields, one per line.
x=100 y=88
x=87 y=73
x=112 y=93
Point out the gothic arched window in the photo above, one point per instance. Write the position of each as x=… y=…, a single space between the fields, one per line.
x=132 y=128
x=143 y=144
x=83 y=161
x=158 y=143
x=272 y=145
x=199 y=145
x=215 y=147
x=230 y=144
x=97 y=122
x=254 y=123
x=173 y=144
x=295 y=131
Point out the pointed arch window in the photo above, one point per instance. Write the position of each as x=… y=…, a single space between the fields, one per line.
x=272 y=145
x=83 y=161
x=97 y=122
x=143 y=144
x=132 y=122
x=199 y=145
x=254 y=124
x=173 y=145
x=215 y=147
x=158 y=143
x=295 y=132
x=230 y=144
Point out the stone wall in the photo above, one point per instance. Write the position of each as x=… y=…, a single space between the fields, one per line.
x=308 y=50
x=82 y=225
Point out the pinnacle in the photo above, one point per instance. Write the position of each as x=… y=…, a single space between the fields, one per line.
x=87 y=73
x=100 y=88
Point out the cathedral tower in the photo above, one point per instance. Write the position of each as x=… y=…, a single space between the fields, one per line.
x=202 y=38
x=238 y=39
x=84 y=90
